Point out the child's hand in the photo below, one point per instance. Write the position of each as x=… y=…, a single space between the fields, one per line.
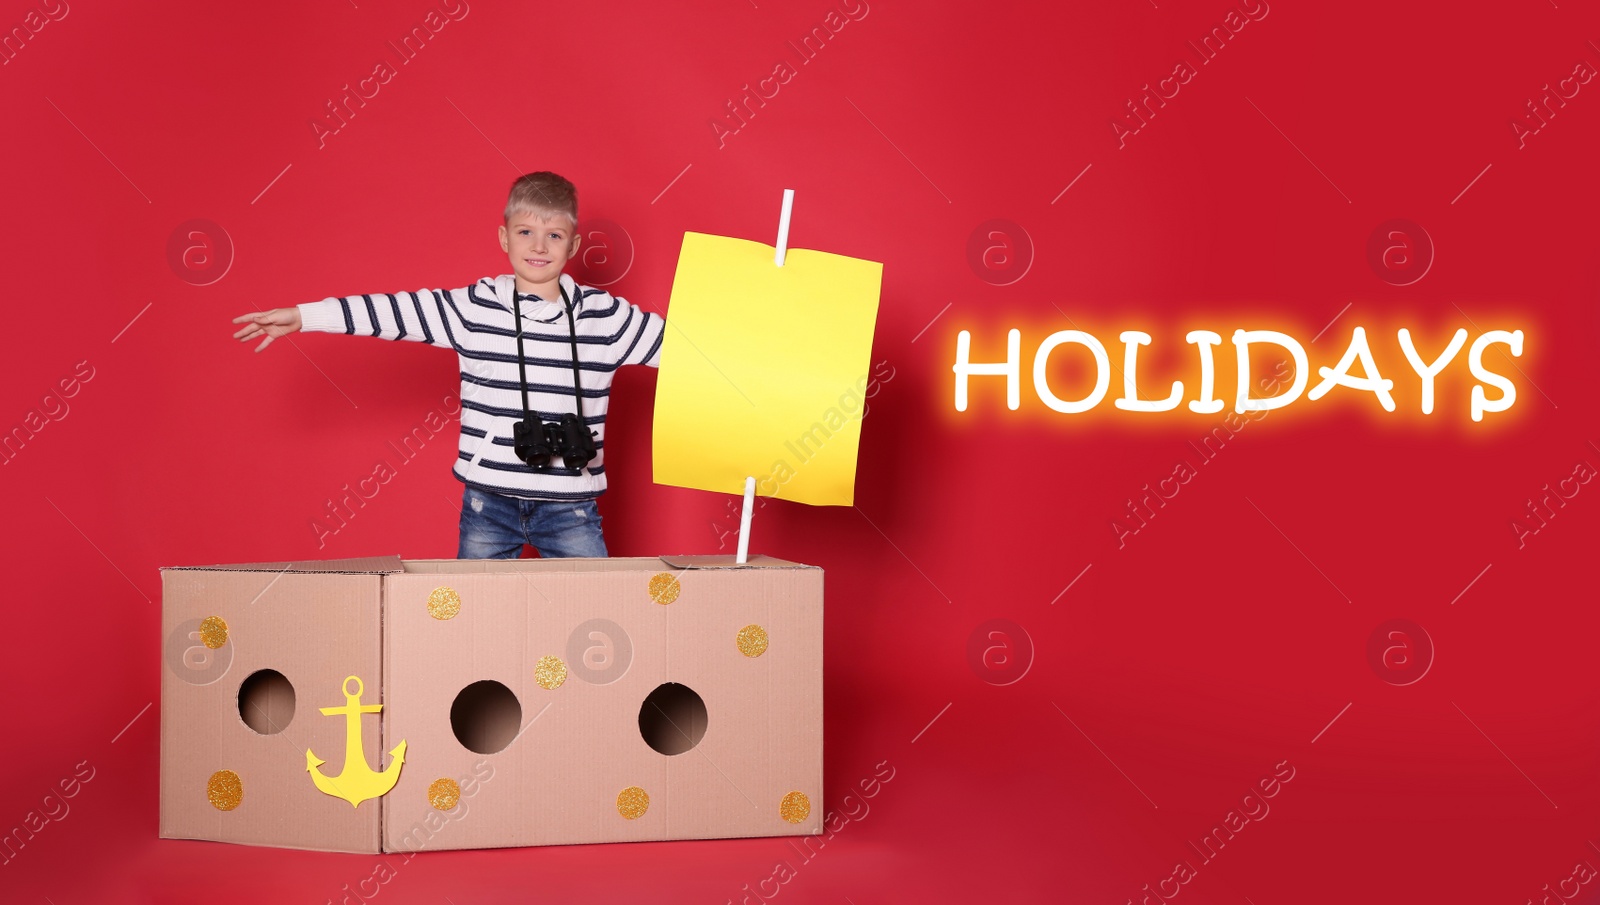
x=271 y=324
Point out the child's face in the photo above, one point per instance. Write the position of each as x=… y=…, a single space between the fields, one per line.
x=538 y=248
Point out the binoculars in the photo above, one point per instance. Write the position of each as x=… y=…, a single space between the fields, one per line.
x=536 y=442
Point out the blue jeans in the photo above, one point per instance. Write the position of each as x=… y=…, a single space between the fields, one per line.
x=495 y=526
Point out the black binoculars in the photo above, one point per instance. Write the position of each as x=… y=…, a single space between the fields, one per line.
x=536 y=442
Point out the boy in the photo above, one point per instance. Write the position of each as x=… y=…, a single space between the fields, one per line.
x=506 y=502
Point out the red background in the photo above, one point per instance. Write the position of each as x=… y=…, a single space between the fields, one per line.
x=1227 y=636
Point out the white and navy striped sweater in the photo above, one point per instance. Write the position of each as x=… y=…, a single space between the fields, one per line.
x=477 y=323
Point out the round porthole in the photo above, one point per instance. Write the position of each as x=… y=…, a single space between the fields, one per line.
x=266 y=701
x=672 y=718
x=486 y=717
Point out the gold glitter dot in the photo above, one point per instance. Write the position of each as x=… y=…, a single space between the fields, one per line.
x=664 y=588
x=224 y=790
x=213 y=632
x=443 y=794
x=794 y=807
x=752 y=641
x=550 y=672
x=632 y=802
x=444 y=603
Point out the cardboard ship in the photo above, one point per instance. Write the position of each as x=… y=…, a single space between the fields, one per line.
x=389 y=705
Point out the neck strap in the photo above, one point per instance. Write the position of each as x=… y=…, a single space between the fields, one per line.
x=522 y=363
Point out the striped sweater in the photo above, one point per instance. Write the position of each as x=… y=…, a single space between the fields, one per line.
x=477 y=323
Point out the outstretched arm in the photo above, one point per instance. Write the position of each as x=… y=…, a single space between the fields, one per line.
x=410 y=316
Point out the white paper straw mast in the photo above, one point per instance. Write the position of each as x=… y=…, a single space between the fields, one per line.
x=744 y=519
x=750 y=482
x=783 y=227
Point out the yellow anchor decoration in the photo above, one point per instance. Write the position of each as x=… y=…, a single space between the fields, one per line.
x=357 y=782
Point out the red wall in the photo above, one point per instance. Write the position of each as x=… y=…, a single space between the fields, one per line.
x=1167 y=672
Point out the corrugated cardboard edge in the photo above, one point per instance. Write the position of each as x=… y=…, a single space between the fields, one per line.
x=728 y=561
x=361 y=565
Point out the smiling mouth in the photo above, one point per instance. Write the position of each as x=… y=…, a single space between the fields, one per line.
x=535 y=262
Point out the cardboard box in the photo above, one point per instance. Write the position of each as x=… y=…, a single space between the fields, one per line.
x=527 y=702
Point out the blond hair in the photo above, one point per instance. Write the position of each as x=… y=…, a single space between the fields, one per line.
x=544 y=194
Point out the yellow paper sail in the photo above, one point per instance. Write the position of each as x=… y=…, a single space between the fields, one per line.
x=764 y=370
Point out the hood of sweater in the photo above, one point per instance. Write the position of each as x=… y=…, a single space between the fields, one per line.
x=533 y=309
